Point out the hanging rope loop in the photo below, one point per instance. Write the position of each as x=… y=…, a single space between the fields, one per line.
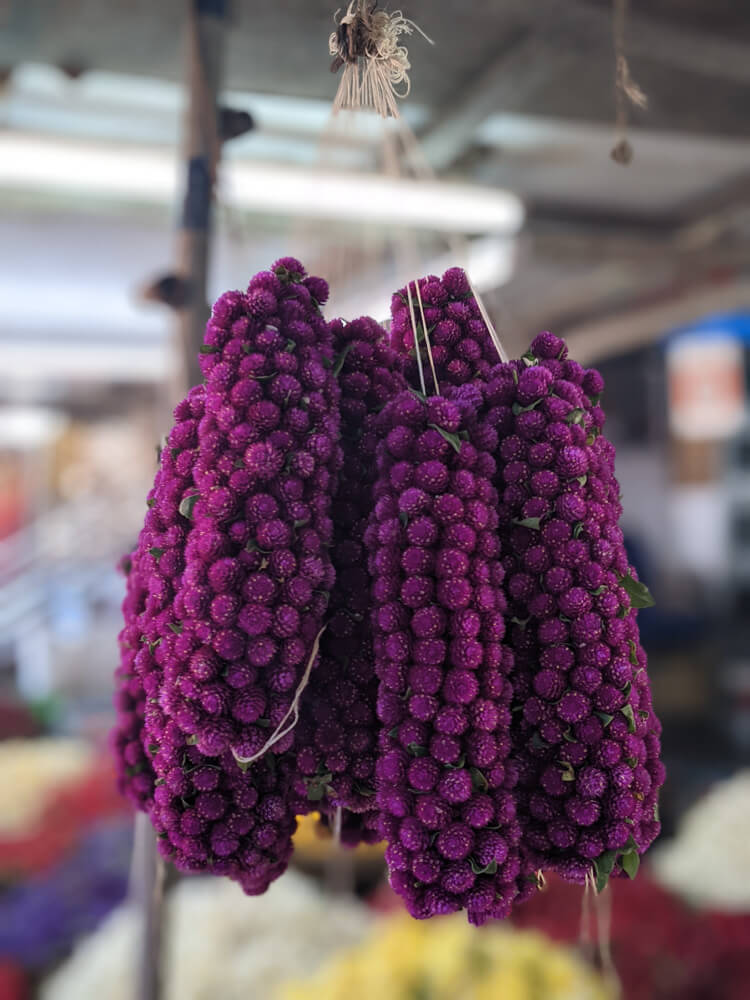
x=366 y=43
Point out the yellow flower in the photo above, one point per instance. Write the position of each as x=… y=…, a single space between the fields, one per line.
x=447 y=959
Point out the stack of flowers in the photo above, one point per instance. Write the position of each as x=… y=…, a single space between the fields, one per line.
x=661 y=948
x=445 y=959
x=408 y=608
x=444 y=779
x=704 y=862
x=587 y=737
x=43 y=822
x=217 y=943
x=43 y=916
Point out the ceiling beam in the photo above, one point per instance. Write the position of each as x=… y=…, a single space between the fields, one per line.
x=558 y=34
x=510 y=81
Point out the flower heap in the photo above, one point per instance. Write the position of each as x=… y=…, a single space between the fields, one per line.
x=461 y=347
x=338 y=729
x=234 y=550
x=584 y=726
x=444 y=776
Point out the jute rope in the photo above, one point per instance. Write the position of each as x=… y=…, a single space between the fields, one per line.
x=627 y=91
x=376 y=65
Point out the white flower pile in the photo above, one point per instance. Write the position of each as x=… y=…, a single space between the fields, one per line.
x=708 y=861
x=220 y=944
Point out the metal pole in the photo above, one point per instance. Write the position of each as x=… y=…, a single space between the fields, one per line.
x=147 y=891
x=206 y=19
x=206 y=29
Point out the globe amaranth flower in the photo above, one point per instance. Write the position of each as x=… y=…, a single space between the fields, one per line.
x=580 y=684
x=443 y=776
x=336 y=737
x=237 y=583
x=460 y=344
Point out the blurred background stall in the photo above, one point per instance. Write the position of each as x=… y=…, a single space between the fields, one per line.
x=644 y=269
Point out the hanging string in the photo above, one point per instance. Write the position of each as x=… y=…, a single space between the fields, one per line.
x=584 y=934
x=285 y=727
x=376 y=65
x=428 y=345
x=503 y=354
x=603 y=913
x=338 y=819
x=627 y=91
x=417 y=350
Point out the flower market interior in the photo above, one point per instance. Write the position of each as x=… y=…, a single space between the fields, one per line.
x=374 y=500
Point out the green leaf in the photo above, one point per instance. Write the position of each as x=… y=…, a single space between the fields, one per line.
x=489 y=869
x=578 y=528
x=568 y=736
x=630 y=863
x=157 y=553
x=582 y=480
x=151 y=501
x=301 y=522
x=627 y=711
x=453 y=439
x=364 y=790
x=533 y=523
x=517 y=408
x=478 y=780
x=417 y=750
x=568 y=774
x=529 y=359
x=603 y=867
x=191 y=741
x=341 y=359
x=263 y=723
x=208 y=349
x=458 y=765
x=605 y=717
x=404 y=518
x=537 y=742
x=419 y=395
x=599 y=590
x=393 y=733
x=515 y=376
x=523 y=622
x=187 y=504
x=639 y=594
x=656 y=812
x=575 y=416
x=631 y=761
x=175 y=627
x=633 y=652
x=290 y=346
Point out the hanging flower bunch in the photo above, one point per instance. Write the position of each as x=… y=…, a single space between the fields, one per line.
x=338 y=730
x=444 y=778
x=386 y=581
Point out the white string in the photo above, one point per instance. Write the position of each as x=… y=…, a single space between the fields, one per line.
x=416 y=343
x=280 y=732
x=426 y=339
x=338 y=818
x=383 y=75
x=603 y=913
x=504 y=357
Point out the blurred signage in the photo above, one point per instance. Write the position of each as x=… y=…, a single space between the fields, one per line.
x=706 y=379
